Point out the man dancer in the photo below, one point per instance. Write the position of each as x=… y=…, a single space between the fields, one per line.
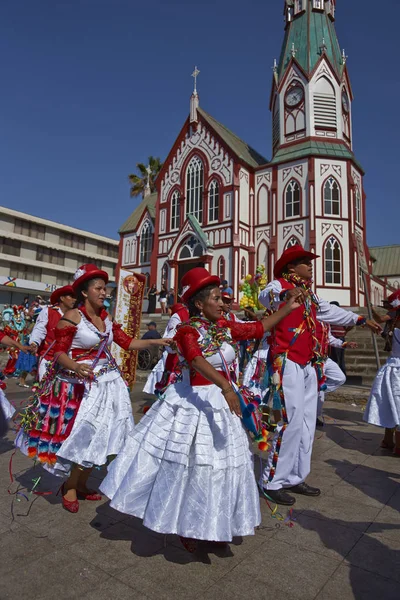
x=296 y=359
x=42 y=337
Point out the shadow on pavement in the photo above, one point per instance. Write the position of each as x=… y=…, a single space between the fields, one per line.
x=369 y=560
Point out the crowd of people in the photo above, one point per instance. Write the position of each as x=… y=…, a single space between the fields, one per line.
x=186 y=468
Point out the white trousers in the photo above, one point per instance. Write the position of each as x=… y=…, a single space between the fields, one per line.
x=334 y=379
x=292 y=463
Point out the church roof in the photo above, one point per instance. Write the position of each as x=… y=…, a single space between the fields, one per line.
x=237 y=145
x=387 y=260
x=314 y=148
x=148 y=203
x=308 y=31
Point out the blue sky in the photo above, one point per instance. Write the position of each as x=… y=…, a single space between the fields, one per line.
x=91 y=87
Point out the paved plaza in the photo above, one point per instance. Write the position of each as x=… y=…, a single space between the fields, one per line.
x=343 y=545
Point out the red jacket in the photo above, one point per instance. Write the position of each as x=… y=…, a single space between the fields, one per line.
x=302 y=350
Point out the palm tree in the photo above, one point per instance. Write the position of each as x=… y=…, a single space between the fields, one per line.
x=138 y=182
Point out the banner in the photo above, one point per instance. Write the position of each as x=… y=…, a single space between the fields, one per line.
x=128 y=313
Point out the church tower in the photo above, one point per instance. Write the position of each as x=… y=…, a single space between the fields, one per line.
x=312 y=191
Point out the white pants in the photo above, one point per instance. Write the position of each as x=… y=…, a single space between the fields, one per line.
x=334 y=379
x=292 y=462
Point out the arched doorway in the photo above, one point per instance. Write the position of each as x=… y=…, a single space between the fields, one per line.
x=189 y=255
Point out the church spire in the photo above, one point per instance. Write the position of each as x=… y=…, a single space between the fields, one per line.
x=194 y=100
x=311 y=31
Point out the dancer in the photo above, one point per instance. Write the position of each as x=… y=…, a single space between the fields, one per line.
x=26 y=363
x=42 y=338
x=295 y=360
x=6 y=408
x=179 y=314
x=383 y=408
x=85 y=413
x=187 y=468
x=334 y=376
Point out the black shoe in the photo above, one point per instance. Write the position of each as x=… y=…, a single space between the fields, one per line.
x=305 y=490
x=320 y=422
x=279 y=497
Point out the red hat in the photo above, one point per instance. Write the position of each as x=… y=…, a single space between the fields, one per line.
x=394 y=299
x=67 y=290
x=290 y=255
x=226 y=295
x=86 y=272
x=196 y=279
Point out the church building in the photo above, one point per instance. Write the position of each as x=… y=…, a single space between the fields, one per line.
x=221 y=204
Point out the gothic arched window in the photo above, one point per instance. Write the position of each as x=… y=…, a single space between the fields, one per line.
x=175 y=211
x=292 y=242
x=191 y=248
x=221 y=268
x=194 y=188
x=333 y=262
x=213 y=201
x=358 y=206
x=164 y=274
x=127 y=253
x=146 y=243
x=331 y=197
x=292 y=199
x=243 y=268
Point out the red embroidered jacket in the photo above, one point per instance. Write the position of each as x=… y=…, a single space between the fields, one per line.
x=302 y=350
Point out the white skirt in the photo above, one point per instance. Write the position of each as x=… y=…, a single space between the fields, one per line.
x=257 y=386
x=6 y=406
x=102 y=424
x=187 y=468
x=156 y=375
x=383 y=406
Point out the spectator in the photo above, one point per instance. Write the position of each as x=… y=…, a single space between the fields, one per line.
x=151 y=333
x=339 y=332
x=162 y=298
x=152 y=297
x=171 y=298
x=226 y=288
x=25 y=303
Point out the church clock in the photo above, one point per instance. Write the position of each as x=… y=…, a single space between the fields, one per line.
x=294 y=96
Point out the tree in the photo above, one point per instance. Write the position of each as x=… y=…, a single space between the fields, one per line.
x=138 y=182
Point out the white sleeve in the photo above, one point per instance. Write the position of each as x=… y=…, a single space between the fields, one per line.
x=172 y=324
x=334 y=315
x=335 y=342
x=39 y=331
x=270 y=296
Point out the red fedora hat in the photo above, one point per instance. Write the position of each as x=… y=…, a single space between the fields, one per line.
x=394 y=299
x=86 y=272
x=67 y=290
x=290 y=255
x=196 y=279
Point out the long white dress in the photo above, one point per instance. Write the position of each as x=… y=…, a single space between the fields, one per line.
x=254 y=376
x=104 y=417
x=383 y=408
x=187 y=467
x=6 y=407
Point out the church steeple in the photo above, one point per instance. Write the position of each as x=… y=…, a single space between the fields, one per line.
x=311 y=93
x=310 y=31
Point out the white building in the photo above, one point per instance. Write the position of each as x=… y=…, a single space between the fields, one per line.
x=38 y=255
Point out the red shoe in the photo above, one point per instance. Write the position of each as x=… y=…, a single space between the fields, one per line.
x=93 y=496
x=71 y=506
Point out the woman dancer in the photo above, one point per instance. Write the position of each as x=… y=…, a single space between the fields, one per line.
x=6 y=408
x=85 y=411
x=383 y=408
x=187 y=468
x=166 y=364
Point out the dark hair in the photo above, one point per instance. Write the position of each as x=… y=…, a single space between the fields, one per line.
x=200 y=296
x=80 y=298
x=335 y=303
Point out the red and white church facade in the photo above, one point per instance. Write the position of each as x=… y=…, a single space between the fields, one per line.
x=219 y=203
